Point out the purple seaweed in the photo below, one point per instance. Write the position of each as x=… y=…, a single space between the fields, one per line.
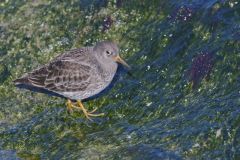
x=107 y=23
x=201 y=68
x=183 y=13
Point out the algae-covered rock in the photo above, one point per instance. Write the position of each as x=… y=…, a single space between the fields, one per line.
x=152 y=113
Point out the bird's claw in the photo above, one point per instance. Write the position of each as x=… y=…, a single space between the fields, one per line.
x=79 y=106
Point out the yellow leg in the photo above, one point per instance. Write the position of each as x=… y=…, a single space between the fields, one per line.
x=86 y=113
x=80 y=106
x=69 y=106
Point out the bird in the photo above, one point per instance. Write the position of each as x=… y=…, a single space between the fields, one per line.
x=76 y=75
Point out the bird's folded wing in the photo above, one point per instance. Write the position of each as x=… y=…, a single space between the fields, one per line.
x=62 y=76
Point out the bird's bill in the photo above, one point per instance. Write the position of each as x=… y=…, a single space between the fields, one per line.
x=120 y=60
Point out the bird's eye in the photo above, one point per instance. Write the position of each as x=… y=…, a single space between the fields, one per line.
x=109 y=53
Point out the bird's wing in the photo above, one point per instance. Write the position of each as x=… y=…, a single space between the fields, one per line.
x=68 y=76
x=61 y=76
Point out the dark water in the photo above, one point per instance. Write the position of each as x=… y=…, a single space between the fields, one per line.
x=182 y=101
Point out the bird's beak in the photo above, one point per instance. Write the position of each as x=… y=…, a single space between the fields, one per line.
x=120 y=60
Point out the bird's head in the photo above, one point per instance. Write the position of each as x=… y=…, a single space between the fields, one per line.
x=109 y=51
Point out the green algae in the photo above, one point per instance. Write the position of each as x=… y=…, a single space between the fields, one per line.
x=154 y=113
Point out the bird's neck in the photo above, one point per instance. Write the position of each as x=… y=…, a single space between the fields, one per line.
x=106 y=68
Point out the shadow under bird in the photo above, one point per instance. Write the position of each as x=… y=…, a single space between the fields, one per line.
x=76 y=75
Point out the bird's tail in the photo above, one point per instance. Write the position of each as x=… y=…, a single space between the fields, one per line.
x=22 y=80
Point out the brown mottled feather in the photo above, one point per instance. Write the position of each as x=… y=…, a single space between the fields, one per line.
x=62 y=74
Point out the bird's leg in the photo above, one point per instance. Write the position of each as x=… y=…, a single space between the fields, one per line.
x=80 y=106
x=69 y=106
x=86 y=113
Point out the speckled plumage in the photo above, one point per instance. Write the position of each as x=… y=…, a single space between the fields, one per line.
x=77 y=74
